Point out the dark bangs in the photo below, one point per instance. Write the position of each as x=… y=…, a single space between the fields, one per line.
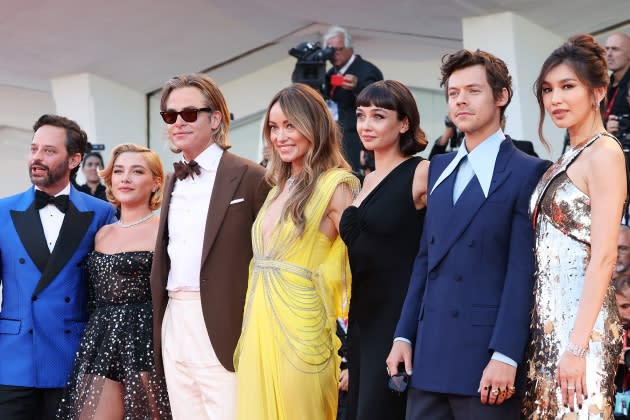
x=379 y=95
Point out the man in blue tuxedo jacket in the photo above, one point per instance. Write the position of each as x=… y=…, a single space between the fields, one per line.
x=45 y=234
x=467 y=307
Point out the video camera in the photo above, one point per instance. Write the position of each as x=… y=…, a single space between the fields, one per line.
x=310 y=68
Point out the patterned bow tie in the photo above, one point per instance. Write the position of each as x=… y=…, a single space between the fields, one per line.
x=42 y=200
x=183 y=169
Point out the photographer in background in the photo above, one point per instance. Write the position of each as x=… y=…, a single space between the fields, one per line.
x=622 y=378
x=348 y=76
x=617 y=114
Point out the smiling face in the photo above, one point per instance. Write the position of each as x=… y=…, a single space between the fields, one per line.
x=290 y=144
x=132 y=179
x=49 y=163
x=379 y=128
x=568 y=101
x=471 y=104
x=191 y=138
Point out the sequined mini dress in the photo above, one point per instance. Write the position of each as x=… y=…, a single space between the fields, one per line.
x=117 y=342
x=562 y=218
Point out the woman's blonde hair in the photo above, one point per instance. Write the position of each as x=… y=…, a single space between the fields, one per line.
x=153 y=162
x=307 y=111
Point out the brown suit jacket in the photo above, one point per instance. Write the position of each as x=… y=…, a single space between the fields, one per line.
x=227 y=251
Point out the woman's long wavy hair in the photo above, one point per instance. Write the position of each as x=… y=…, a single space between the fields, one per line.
x=307 y=111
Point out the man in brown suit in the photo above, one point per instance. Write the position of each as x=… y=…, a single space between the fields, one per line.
x=200 y=267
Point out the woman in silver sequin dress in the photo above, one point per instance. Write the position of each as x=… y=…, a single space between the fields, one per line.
x=114 y=375
x=576 y=210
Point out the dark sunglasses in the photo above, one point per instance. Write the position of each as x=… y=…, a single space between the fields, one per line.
x=188 y=115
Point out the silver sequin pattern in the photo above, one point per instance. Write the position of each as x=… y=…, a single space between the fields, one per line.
x=562 y=216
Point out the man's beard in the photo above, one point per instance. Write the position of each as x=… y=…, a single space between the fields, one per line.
x=53 y=175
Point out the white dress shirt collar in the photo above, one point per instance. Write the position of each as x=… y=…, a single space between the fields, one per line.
x=482 y=160
x=65 y=191
x=344 y=69
x=210 y=157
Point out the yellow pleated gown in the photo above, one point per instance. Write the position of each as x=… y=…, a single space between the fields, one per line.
x=286 y=359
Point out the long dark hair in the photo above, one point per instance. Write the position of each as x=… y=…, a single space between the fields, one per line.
x=588 y=61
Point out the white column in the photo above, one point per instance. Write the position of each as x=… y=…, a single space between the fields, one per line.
x=109 y=113
x=523 y=46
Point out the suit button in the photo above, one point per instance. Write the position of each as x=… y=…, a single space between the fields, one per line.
x=203 y=280
x=459 y=277
x=30 y=331
x=21 y=260
x=66 y=331
x=433 y=275
x=67 y=299
x=34 y=298
x=455 y=313
x=471 y=243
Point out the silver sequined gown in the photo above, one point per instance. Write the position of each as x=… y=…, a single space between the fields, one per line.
x=117 y=343
x=562 y=218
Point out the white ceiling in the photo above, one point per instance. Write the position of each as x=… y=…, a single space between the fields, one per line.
x=141 y=43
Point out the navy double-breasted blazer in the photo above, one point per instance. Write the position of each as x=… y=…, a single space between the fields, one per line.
x=470 y=292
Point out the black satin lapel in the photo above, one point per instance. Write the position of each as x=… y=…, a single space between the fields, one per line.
x=29 y=228
x=73 y=229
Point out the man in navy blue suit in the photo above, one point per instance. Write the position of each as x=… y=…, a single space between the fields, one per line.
x=45 y=234
x=466 y=314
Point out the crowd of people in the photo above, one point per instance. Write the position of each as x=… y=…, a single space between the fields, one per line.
x=486 y=283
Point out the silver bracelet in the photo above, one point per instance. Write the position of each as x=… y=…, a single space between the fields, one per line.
x=576 y=350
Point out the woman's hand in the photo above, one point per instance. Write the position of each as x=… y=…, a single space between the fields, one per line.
x=572 y=380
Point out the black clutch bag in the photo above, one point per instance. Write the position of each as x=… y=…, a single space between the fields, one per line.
x=398 y=382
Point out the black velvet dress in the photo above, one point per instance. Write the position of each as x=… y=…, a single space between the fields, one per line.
x=117 y=343
x=382 y=235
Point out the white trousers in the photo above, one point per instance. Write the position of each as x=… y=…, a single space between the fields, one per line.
x=199 y=387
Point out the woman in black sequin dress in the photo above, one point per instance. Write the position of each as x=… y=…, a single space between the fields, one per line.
x=382 y=232
x=114 y=375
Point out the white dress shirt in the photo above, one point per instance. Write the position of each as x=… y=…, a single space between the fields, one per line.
x=187 y=216
x=479 y=162
x=52 y=219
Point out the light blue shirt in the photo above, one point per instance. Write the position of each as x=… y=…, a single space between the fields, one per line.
x=479 y=162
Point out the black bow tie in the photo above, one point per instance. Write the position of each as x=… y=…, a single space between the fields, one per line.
x=183 y=169
x=42 y=200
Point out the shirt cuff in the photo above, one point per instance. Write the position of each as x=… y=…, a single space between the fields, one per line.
x=402 y=339
x=503 y=358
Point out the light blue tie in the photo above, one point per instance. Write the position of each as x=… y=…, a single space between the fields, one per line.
x=463 y=176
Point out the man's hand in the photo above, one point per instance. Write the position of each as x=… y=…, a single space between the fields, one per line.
x=497 y=382
x=349 y=81
x=401 y=352
x=343 y=380
x=612 y=126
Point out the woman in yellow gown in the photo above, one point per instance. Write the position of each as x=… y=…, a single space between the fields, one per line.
x=286 y=360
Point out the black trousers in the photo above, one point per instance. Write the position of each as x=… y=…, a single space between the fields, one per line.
x=423 y=405
x=24 y=403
